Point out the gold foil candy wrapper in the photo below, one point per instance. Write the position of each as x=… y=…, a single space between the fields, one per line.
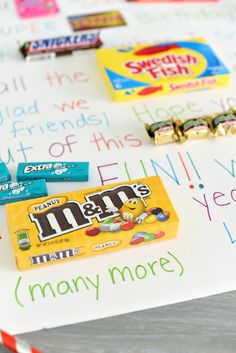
x=224 y=124
x=162 y=132
x=193 y=129
x=180 y=130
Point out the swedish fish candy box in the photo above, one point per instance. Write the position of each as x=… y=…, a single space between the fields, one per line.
x=165 y=68
x=88 y=222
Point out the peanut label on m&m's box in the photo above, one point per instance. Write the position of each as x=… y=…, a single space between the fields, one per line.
x=88 y=222
x=161 y=68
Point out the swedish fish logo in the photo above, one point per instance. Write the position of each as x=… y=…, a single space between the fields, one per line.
x=38 y=208
x=167 y=66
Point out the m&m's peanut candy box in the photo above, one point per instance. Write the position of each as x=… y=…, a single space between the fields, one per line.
x=83 y=223
x=161 y=68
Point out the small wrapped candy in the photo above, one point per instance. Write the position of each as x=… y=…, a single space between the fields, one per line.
x=162 y=132
x=223 y=124
x=193 y=129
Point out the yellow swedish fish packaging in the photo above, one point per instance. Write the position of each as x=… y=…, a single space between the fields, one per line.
x=88 y=222
x=161 y=68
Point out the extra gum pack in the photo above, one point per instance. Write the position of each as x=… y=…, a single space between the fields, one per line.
x=88 y=222
x=161 y=68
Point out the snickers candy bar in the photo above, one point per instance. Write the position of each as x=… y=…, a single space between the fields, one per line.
x=66 y=45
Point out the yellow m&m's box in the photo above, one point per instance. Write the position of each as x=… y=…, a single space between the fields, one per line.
x=161 y=68
x=88 y=222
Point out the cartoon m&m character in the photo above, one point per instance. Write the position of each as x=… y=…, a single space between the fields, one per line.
x=132 y=210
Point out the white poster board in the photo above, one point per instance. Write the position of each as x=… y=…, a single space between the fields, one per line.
x=61 y=110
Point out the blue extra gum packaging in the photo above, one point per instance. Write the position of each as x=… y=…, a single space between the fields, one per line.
x=4 y=173
x=53 y=171
x=19 y=191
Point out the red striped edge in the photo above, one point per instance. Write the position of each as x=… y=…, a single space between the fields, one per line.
x=35 y=350
x=23 y=347
x=9 y=342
